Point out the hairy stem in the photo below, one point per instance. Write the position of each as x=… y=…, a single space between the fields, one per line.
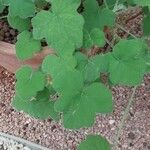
x=116 y=4
x=106 y=4
x=3 y=17
x=121 y=125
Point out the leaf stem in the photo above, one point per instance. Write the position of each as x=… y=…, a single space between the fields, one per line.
x=3 y=17
x=116 y=4
x=118 y=132
x=106 y=4
x=122 y=28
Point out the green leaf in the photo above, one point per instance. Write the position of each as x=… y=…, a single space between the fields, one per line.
x=95 y=38
x=147 y=59
x=62 y=27
x=68 y=82
x=2 y=7
x=53 y=64
x=96 y=65
x=41 y=106
x=146 y=24
x=82 y=61
x=96 y=17
x=127 y=65
x=111 y=3
x=18 y=23
x=29 y=82
x=5 y=2
x=22 y=8
x=75 y=104
x=26 y=46
x=40 y=3
x=142 y=2
x=94 y=142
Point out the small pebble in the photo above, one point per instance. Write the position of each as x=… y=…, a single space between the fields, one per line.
x=111 y=122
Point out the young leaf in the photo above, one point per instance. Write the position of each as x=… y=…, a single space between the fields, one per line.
x=96 y=17
x=41 y=106
x=63 y=26
x=94 y=142
x=18 y=23
x=95 y=38
x=22 y=8
x=82 y=61
x=26 y=46
x=127 y=65
x=29 y=82
x=97 y=64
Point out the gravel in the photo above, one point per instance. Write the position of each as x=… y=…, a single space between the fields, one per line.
x=8 y=144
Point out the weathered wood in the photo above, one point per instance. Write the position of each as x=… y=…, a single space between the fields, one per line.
x=9 y=60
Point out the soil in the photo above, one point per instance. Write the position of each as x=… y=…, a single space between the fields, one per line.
x=135 y=134
x=7 y=34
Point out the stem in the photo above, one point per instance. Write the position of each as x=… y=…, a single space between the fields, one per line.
x=122 y=28
x=118 y=132
x=106 y=4
x=116 y=4
x=3 y=17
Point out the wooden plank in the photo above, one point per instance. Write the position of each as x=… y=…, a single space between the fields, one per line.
x=9 y=60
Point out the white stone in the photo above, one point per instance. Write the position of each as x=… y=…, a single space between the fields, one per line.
x=111 y=122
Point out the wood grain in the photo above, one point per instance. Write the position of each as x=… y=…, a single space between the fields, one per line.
x=9 y=60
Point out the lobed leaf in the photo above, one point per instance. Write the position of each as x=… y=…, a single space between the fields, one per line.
x=80 y=109
x=94 y=142
x=26 y=46
x=97 y=17
x=127 y=65
x=18 y=23
x=95 y=38
x=29 y=82
x=22 y=8
x=62 y=27
x=40 y=106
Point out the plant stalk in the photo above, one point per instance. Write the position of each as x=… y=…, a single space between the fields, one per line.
x=121 y=125
x=106 y=4
x=3 y=17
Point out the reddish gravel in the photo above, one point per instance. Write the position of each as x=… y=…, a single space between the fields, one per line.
x=135 y=135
